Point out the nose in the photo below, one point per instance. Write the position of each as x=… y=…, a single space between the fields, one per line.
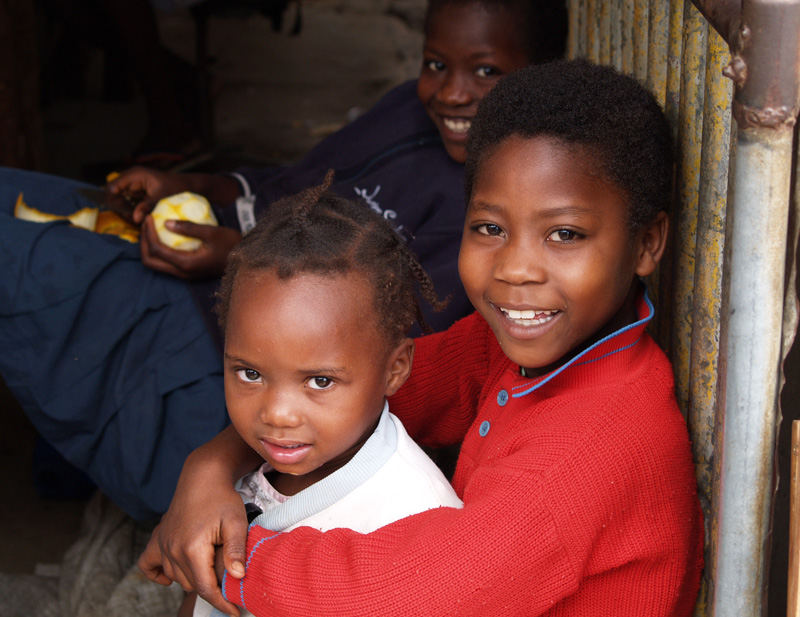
x=455 y=89
x=520 y=262
x=279 y=409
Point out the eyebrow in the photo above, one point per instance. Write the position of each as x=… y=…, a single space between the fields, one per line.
x=546 y=213
x=483 y=206
x=568 y=211
x=331 y=370
x=487 y=54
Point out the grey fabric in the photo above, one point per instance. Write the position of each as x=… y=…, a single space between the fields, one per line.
x=98 y=576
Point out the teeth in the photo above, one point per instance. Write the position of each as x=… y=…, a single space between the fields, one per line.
x=289 y=446
x=529 y=318
x=457 y=126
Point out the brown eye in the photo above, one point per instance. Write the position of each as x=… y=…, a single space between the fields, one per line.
x=434 y=65
x=562 y=235
x=487 y=71
x=320 y=383
x=248 y=375
x=489 y=229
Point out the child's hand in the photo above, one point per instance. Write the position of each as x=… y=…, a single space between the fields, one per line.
x=206 y=262
x=205 y=512
x=219 y=564
x=196 y=564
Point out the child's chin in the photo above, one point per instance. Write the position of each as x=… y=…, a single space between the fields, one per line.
x=533 y=363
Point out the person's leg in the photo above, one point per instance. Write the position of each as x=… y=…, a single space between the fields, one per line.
x=112 y=362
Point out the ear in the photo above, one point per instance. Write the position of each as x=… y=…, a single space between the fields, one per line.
x=651 y=244
x=398 y=365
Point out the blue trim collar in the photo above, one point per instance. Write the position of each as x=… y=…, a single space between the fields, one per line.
x=576 y=360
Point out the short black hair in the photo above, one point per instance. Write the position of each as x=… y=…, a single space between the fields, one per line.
x=612 y=115
x=317 y=231
x=544 y=23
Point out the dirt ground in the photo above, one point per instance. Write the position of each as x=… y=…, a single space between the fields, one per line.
x=273 y=96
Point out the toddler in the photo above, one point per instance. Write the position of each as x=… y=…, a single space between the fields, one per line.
x=315 y=304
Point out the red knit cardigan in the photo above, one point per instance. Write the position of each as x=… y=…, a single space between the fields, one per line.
x=579 y=497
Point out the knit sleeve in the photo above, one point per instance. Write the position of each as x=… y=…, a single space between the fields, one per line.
x=437 y=404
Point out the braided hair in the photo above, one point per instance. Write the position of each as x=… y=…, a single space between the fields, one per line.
x=317 y=231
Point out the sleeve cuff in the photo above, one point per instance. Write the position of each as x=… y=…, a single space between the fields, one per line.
x=233 y=588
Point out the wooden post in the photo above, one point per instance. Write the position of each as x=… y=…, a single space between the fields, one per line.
x=792 y=600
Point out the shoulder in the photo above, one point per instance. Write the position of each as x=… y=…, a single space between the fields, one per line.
x=414 y=473
x=623 y=431
x=636 y=402
x=400 y=96
x=397 y=115
x=403 y=102
x=407 y=483
x=620 y=450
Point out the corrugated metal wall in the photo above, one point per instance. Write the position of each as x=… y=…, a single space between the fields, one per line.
x=722 y=316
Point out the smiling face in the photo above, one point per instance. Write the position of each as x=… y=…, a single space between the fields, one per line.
x=548 y=256
x=307 y=369
x=467 y=49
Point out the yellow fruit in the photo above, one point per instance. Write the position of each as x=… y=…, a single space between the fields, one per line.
x=85 y=217
x=26 y=213
x=111 y=223
x=186 y=207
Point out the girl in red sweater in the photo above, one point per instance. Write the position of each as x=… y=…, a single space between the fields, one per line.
x=575 y=467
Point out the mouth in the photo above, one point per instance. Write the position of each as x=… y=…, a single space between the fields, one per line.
x=285 y=452
x=458 y=126
x=528 y=318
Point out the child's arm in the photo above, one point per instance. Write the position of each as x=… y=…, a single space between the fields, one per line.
x=182 y=546
x=437 y=403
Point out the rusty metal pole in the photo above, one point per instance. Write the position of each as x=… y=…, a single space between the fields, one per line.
x=701 y=413
x=765 y=67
